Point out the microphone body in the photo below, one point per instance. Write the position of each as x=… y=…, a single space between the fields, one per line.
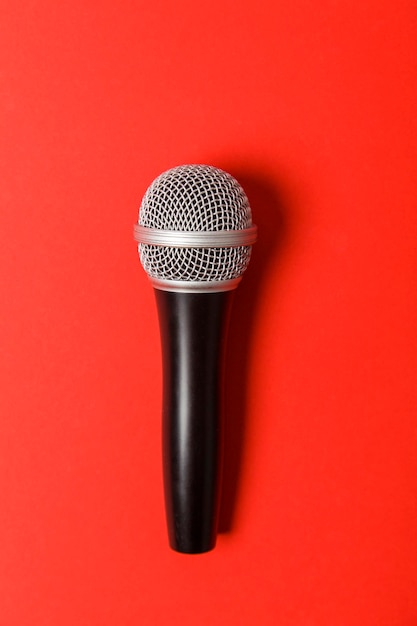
x=194 y=236
x=193 y=330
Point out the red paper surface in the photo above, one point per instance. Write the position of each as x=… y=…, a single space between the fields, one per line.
x=312 y=106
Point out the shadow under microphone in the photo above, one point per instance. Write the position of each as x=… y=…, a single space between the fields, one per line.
x=195 y=234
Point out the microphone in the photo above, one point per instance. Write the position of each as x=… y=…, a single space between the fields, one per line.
x=195 y=234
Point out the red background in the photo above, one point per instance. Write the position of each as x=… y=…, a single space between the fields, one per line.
x=312 y=106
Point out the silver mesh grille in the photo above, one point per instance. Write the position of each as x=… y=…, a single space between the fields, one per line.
x=195 y=198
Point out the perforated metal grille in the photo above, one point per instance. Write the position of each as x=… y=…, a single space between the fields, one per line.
x=195 y=198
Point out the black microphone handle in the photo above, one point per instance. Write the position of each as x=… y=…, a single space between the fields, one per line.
x=193 y=329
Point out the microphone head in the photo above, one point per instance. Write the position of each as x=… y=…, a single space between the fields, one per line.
x=195 y=230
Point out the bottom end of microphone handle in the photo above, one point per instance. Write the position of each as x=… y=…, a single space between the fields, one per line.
x=191 y=545
x=192 y=499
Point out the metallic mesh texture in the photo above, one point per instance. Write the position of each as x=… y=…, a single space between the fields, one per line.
x=195 y=198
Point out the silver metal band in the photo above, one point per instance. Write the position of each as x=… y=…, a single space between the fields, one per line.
x=194 y=286
x=195 y=239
